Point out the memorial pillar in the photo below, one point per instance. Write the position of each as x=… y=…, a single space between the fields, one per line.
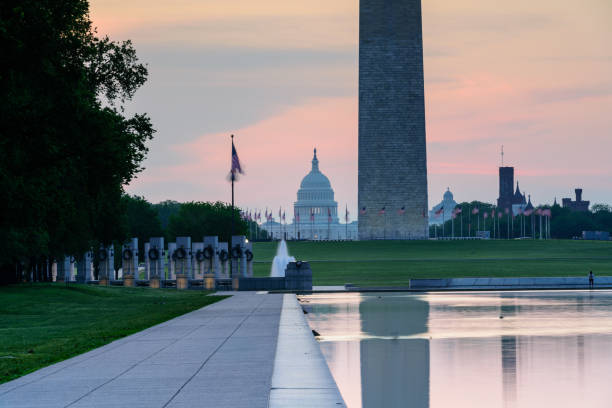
x=223 y=260
x=183 y=262
x=156 y=255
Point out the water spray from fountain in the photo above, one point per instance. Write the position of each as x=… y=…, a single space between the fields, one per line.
x=281 y=260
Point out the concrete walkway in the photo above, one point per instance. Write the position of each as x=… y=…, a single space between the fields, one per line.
x=301 y=376
x=218 y=356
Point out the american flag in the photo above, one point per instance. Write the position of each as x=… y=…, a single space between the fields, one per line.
x=362 y=211
x=475 y=211
x=440 y=211
x=346 y=214
x=546 y=212
x=528 y=212
x=507 y=211
x=236 y=168
x=329 y=217
x=402 y=211
x=424 y=214
x=284 y=219
x=311 y=215
x=296 y=216
x=492 y=213
x=499 y=215
x=485 y=215
x=458 y=210
x=382 y=211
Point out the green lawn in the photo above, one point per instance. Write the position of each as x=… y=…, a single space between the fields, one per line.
x=394 y=263
x=42 y=324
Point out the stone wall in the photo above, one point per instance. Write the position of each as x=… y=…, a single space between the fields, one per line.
x=392 y=152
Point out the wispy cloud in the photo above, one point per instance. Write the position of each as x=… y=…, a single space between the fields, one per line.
x=563 y=94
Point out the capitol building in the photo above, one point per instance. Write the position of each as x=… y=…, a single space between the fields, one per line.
x=315 y=212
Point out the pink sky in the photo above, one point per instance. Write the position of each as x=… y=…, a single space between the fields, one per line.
x=282 y=76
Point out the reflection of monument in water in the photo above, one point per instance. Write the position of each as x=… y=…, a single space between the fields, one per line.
x=394 y=373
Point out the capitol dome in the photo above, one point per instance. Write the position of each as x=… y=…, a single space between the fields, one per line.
x=448 y=196
x=316 y=197
x=315 y=179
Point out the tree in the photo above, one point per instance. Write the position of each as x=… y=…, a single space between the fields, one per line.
x=165 y=210
x=142 y=220
x=198 y=219
x=66 y=146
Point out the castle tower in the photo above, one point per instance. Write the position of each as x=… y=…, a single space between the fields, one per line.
x=392 y=155
x=506 y=185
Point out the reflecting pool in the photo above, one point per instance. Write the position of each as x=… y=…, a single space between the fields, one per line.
x=476 y=349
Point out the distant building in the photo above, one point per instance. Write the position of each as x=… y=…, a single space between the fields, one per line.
x=315 y=212
x=577 y=205
x=508 y=198
x=437 y=217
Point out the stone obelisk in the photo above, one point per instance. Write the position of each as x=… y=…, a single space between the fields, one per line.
x=392 y=154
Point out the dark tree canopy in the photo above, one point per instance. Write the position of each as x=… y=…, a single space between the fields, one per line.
x=197 y=219
x=66 y=146
x=165 y=210
x=142 y=220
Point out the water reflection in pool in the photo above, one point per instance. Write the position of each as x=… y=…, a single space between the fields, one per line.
x=477 y=349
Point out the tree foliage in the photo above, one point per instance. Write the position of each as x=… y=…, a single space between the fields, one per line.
x=142 y=220
x=198 y=219
x=66 y=146
x=165 y=210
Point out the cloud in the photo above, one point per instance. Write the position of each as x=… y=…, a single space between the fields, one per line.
x=320 y=31
x=564 y=94
x=276 y=153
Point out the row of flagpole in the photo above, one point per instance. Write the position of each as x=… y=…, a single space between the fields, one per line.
x=496 y=215
x=256 y=217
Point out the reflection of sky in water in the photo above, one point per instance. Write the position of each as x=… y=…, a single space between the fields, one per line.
x=551 y=349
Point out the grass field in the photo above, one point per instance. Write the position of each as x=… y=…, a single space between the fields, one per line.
x=42 y=324
x=394 y=263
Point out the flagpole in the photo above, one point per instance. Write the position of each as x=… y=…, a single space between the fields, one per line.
x=469 y=220
x=443 y=221
x=233 y=176
x=346 y=222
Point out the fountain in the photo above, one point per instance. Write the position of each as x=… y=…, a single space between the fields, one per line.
x=280 y=261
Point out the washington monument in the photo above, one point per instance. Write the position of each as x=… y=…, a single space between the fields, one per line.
x=392 y=154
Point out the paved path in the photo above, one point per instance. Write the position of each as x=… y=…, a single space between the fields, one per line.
x=301 y=376
x=218 y=356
